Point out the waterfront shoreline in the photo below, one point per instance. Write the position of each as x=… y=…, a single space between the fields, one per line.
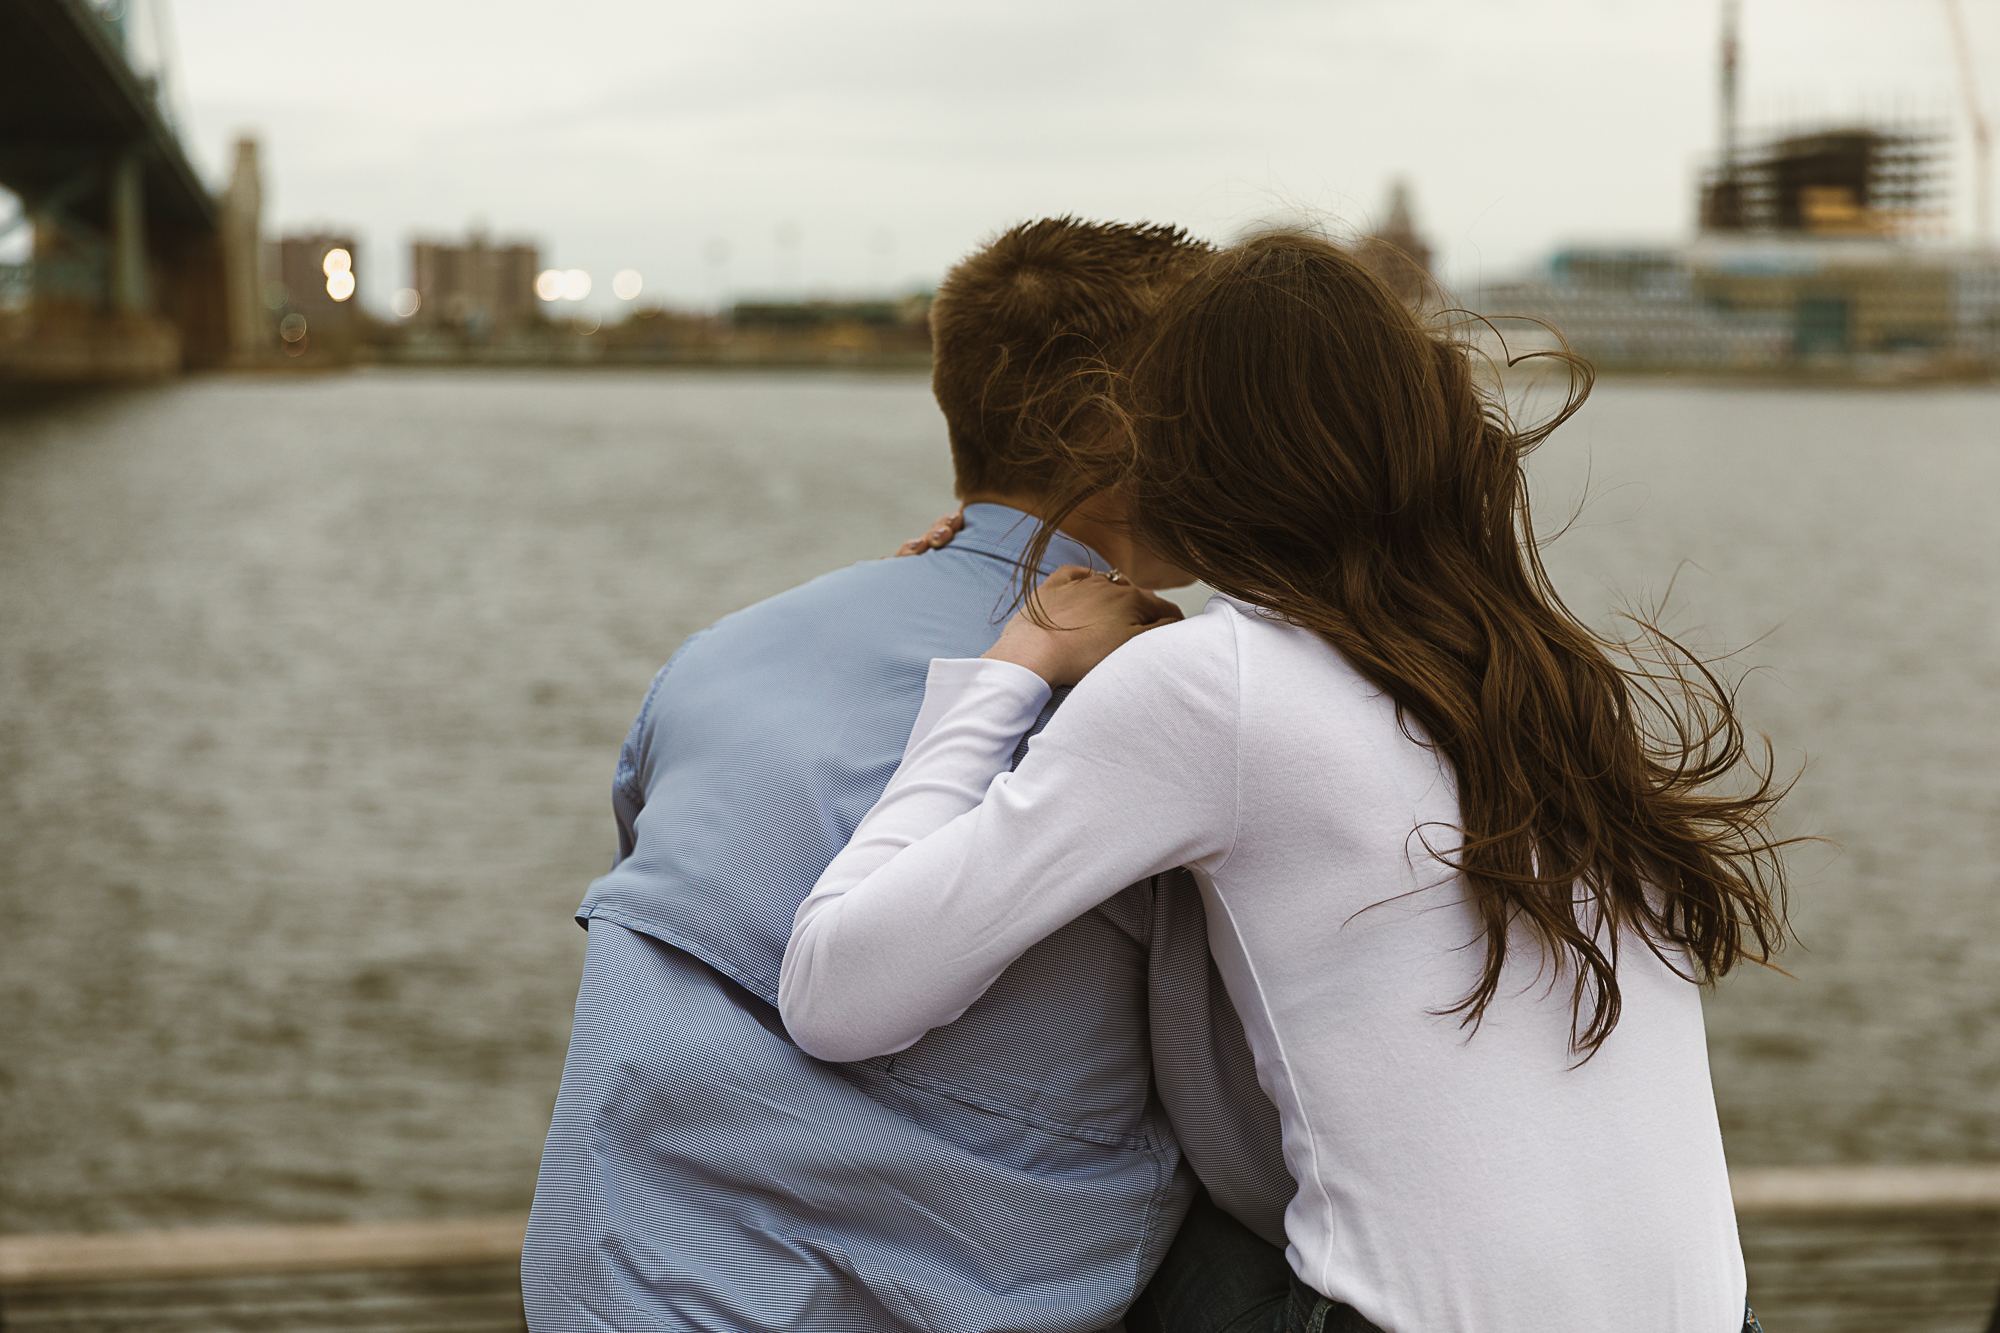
x=1831 y=1249
x=1843 y=377
x=31 y=1259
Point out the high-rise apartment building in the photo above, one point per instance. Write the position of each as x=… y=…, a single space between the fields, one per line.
x=477 y=288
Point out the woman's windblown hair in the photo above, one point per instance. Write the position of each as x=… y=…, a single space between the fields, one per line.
x=1294 y=437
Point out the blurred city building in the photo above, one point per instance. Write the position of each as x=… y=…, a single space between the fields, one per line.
x=840 y=329
x=251 y=323
x=655 y=333
x=1819 y=248
x=312 y=292
x=884 y=332
x=1842 y=230
x=475 y=288
x=1395 y=253
x=1831 y=180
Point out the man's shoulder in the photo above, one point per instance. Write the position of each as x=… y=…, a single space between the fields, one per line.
x=871 y=625
x=866 y=579
x=939 y=598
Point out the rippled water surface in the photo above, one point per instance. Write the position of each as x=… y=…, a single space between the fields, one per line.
x=310 y=692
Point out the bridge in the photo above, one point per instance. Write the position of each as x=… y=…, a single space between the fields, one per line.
x=136 y=270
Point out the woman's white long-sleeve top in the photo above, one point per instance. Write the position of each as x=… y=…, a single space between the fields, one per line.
x=1449 y=1179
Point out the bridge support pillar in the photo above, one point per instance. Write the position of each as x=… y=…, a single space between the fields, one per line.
x=249 y=318
x=129 y=295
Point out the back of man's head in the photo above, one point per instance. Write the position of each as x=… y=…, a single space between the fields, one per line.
x=1015 y=317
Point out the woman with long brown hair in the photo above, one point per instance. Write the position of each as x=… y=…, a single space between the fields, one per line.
x=1465 y=874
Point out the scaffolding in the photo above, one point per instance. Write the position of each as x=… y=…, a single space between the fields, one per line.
x=1834 y=180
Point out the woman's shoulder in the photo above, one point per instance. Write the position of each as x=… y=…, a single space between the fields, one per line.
x=1166 y=696
x=1209 y=634
x=1267 y=666
x=1191 y=660
x=1221 y=634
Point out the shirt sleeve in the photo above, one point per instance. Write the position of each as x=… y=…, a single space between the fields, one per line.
x=628 y=795
x=962 y=866
x=628 y=785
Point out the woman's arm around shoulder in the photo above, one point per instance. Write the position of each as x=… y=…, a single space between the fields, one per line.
x=941 y=889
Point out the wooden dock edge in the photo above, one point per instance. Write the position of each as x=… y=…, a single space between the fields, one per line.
x=201 y=1252
x=208 y=1252
x=1948 y=1188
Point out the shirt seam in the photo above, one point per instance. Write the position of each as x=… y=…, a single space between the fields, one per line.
x=1256 y=977
x=1310 y=1137
x=978 y=546
x=673 y=939
x=943 y=1087
x=1163 y=1181
x=1236 y=748
x=1008 y=600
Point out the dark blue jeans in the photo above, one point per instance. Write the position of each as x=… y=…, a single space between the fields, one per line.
x=1221 y=1277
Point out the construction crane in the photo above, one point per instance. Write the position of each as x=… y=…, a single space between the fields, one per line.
x=1730 y=146
x=1982 y=139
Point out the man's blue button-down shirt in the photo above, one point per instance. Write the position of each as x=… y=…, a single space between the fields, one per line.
x=1012 y=1171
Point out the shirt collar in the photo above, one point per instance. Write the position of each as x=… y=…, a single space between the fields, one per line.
x=998 y=530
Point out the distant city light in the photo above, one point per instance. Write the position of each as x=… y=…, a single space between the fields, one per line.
x=405 y=302
x=627 y=284
x=573 y=284
x=292 y=328
x=337 y=261
x=340 y=285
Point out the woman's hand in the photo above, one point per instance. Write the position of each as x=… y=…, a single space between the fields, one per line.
x=1094 y=615
x=939 y=536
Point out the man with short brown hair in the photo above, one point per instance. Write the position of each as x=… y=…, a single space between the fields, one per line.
x=1011 y=1171
x=1014 y=320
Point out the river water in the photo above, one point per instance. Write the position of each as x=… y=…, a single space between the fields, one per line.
x=310 y=692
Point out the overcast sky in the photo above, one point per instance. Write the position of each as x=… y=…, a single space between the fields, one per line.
x=890 y=135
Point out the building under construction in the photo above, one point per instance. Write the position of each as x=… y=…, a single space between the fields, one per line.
x=1847 y=180
x=1842 y=229
x=1818 y=246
